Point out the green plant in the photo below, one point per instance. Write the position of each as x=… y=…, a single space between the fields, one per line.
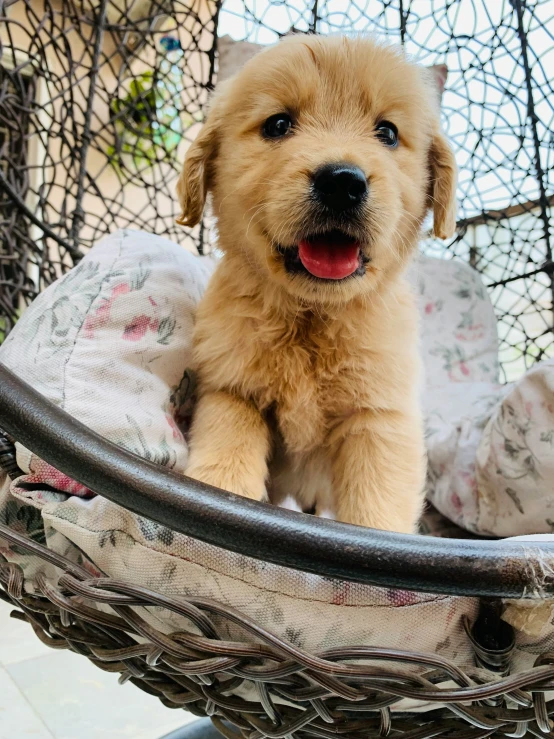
x=138 y=127
x=148 y=123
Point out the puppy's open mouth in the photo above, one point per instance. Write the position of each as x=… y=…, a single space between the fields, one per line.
x=329 y=256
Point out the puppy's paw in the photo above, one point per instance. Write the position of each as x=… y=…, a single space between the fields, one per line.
x=290 y=504
x=326 y=513
x=230 y=480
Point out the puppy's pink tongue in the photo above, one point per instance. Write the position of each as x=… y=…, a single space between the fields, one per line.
x=327 y=260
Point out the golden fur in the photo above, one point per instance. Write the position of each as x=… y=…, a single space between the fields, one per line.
x=310 y=387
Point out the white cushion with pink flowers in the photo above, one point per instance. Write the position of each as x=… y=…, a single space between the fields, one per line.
x=458 y=326
x=515 y=459
x=110 y=341
x=490 y=447
x=460 y=353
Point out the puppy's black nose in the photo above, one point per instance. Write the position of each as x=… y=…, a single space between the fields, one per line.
x=340 y=186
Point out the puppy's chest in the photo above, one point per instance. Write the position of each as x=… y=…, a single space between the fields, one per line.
x=305 y=381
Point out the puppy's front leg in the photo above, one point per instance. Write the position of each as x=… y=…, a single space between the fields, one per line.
x=229 y=445
x=378 y=462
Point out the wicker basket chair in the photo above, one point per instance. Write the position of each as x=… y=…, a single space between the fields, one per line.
x=79 y=94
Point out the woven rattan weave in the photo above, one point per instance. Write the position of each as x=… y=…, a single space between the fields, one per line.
x=299 y=694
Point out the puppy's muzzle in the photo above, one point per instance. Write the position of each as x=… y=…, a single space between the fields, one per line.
x=340 y=187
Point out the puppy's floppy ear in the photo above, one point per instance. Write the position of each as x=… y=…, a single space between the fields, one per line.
x=196 y=178
x=442 y=188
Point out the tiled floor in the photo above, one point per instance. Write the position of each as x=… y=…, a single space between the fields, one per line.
x=51 y=694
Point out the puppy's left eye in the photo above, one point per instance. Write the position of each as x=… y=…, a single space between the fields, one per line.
x=387 y=133
x=277 y=126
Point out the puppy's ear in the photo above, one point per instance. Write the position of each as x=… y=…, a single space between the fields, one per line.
x=196 y=178
x=442 y=189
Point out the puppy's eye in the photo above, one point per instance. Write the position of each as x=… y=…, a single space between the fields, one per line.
x=387 y=133
x=277 y=126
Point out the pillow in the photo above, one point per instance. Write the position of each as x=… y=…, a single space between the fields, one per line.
x=458 y=326
x=459 y=345
x=312 y=612
x=515 y=458
x=491 y=454
x=455 y=417
x=110 y=341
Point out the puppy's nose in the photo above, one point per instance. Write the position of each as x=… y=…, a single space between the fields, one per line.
x=340 y=186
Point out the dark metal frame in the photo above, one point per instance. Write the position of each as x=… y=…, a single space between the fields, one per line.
x=454 y=566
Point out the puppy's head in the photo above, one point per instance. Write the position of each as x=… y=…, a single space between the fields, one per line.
x=323 y=157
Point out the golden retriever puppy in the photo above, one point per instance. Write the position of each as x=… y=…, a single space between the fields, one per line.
x=323 y=157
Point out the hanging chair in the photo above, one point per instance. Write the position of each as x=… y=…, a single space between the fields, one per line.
x=270 y=622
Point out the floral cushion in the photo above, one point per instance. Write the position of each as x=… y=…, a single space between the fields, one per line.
x=460 y=353
x=515 y=459
x=455 y=420
x=110 y=342
x=458 y=326
x=313 y=613
x=490 y=447
x=491 y=453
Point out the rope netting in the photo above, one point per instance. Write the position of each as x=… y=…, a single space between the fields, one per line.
x=100 y=98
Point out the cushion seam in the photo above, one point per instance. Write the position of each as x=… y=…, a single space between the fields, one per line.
x=438 y=598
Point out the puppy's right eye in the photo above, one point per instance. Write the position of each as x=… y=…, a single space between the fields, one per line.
x=277 y=126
